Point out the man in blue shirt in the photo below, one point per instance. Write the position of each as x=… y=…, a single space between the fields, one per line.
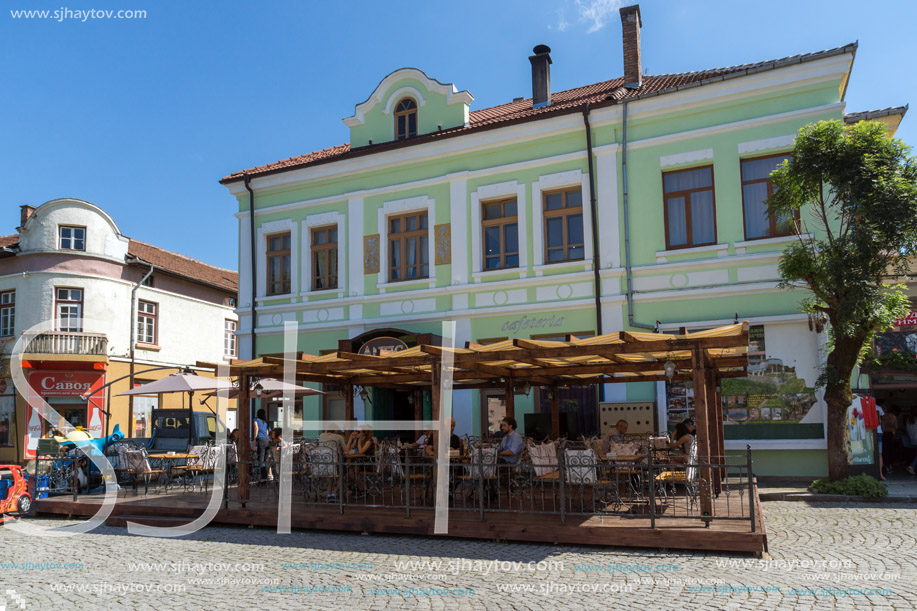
x=511 y=444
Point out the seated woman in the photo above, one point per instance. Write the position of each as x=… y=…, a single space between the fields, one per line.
x=361 y=442
x=682 y=439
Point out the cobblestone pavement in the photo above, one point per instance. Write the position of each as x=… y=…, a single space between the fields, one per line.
x=851 y=555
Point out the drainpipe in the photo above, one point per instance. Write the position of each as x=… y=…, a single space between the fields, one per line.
x=254 y=274
x=627 y=264
x=133 y=339
x=593 y=211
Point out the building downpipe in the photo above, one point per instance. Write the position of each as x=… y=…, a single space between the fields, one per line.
x=596 y=258
x=133 y=340
x=254 y=258
x=627 y=263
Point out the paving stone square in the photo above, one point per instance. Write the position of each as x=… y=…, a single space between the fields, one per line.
x=822 y=556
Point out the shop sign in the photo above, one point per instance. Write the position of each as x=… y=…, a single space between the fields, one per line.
x=908 y=321
x=532 y=322
x=380 y=345
x=71 y=384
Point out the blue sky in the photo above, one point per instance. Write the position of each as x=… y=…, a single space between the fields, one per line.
x=144 y=116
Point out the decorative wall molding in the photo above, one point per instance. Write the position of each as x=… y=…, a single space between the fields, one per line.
x=667 y=161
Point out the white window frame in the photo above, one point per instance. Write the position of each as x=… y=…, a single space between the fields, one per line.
x=142 y=317
x=71 y=239
x=486 y=193
x=321 y=220
x=552 y=182
x=8 y=412
x=268 y=229
x=422 y=203
x=230 y=341
x=7 y=313
x=69 y=303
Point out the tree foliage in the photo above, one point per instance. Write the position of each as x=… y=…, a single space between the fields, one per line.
x=854 y=190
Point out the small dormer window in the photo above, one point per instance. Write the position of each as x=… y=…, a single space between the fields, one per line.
x=405 y=119
x=72 y=238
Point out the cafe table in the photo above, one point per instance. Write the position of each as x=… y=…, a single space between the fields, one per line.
x=168 y=460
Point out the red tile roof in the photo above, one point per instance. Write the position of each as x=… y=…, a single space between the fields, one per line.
x=169 y=262
x=562 y=102
x=184 y=266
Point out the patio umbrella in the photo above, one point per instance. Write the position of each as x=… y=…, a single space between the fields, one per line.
x=271 y=388
x=179 y=382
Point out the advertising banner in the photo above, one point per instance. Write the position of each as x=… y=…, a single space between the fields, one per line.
x=51 y=384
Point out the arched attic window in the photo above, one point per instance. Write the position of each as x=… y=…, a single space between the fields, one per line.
x=405 y=119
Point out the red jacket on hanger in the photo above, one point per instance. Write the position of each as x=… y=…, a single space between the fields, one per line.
x=870 y=415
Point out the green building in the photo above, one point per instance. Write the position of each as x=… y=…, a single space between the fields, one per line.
x=631 y=204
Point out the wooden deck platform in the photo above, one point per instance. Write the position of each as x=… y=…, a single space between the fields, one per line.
x=613 y=530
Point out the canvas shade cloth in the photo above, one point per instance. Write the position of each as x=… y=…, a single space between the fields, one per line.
x=179 y=382
x=271 y=388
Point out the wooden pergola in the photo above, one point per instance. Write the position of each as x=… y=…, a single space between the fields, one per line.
x=704 y=357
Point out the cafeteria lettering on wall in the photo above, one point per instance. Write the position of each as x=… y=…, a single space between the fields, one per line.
x=532 y=322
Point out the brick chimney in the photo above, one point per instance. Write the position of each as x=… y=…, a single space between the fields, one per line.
x=541 y=76
x=24 y=213
x=630 y=24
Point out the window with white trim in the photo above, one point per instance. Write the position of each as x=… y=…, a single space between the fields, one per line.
x=324 y=258
x=564 y=239
x=72 y=238
x=500 y=227
x=409 y=240
x=7 y=313
x=69 y=309
x=405 y=119
x=7 y=418
x=279 y=272
x=146 y=322
x=229 y=338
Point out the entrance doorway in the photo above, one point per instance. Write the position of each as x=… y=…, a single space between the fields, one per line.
x=388 y=404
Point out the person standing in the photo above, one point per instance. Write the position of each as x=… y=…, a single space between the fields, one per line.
x=262 y=441
x=910 y=434
x=889 y=432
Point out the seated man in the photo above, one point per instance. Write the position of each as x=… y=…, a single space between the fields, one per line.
x=432 y=448
x=616 y=435
x=422 y=441
x=332 y=438
x=511 y=444
x=455 y=442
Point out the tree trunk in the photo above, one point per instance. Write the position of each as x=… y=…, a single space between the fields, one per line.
x=838 y=396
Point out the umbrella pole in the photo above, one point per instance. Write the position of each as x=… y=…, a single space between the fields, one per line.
x=191 y=418
x=244 y=417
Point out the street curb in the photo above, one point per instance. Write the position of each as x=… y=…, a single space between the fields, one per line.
x=831 y=498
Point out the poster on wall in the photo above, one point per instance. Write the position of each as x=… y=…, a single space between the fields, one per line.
x=772 y=402
x=859 y=438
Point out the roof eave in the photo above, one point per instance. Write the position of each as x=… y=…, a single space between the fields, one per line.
x=135 y=260
x=378 y=148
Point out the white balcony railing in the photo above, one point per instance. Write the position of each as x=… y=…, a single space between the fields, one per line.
x=63 y=342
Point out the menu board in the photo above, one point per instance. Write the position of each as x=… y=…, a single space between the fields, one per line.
x=680 y=402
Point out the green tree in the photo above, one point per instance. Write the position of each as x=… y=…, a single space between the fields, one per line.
x=854 y=190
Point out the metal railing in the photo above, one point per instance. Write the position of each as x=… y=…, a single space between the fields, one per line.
x=61 y=342
x=575 y=482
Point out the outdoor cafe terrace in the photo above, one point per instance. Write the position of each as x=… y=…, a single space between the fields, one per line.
x=563 y=490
